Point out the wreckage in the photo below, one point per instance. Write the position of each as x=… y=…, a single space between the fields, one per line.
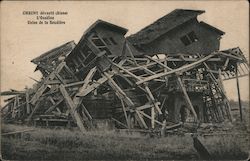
x=169 y=72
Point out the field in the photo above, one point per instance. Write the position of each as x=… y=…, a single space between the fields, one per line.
x=65 y=144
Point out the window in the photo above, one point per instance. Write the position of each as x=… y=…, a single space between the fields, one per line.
x=113 y=41
x=189 y=38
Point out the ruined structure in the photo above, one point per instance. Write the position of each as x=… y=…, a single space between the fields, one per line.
x=109 y=81
x=178 y=32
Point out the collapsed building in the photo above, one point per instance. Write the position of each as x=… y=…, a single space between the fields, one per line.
x=169 y=72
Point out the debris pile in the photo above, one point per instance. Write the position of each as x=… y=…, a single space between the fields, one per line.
x=105 y=81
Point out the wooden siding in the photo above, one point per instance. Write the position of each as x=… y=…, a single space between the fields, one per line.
x=170 y=43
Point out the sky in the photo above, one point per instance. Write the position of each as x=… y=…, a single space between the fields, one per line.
x=21 y=42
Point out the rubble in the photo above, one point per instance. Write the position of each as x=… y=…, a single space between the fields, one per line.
x=104 y=81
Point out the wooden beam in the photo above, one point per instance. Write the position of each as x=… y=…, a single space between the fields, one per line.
x=152 y=99
x=126 y=71
x=43 y=87
x=87 y=112
x=147 y=116
x=71 y=107
x=225 y=99
x=158 y=62
x=130 y=52
x=152 y=117
x=33 y=111
x=178 y=70
x=238 y=91
x=125 y=113
x=119 y=122
x=187 y=99
x=141 y=120
x=54 y=106
x=27 y=102
x=118 y=90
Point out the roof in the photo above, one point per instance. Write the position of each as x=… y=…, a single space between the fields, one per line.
x=106 y=24
x=56 y=52
x=212 y=28
x=98 y=23
x=163 y=25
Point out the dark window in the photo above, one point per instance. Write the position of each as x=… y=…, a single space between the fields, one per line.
x=113 y=41
x=185 y=40
x=106 y=41
x=98 y=42
x=192 y=36
x=189 y=38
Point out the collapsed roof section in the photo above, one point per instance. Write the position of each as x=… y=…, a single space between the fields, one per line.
x=47 y=62
x=166 y=24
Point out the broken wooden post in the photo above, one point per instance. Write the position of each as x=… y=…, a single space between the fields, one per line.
x=72 y=108
x=27 y=102
x=43 y=87
x=238 y=91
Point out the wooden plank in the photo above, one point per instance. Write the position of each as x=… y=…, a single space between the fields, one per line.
x=54 y=106
x=43 y=87
x=238 y=91
x=147 y=116
x=152 y=99
x=187 y=99
x=141 y=119
x=225 y=64
x=119 y=122
x=74 y=84
x=71 y=107
x=178 y=70
x=229 y=55
x=119 y=92
x=225 y=99
x=87 y=112
x=146 y=106
x=77 y=98
x=99 y=82
x=126 y=71
x=27 y=102
x=33 y=111
x=158 y=62
x=152 y=117
x=130 y=52
x=125 y=113
x=17 y=132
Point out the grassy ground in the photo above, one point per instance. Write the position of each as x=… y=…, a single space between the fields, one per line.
x=65 y=144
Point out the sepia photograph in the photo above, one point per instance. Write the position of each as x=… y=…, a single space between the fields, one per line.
x=124 y=80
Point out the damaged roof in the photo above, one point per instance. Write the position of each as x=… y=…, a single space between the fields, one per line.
x=105 y=24
x=62 y=50
x=163 y=25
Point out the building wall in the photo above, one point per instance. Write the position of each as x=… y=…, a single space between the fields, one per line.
x=170 y=43
x=105 y=33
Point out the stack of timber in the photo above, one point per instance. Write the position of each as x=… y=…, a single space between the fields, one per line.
x=104 y=81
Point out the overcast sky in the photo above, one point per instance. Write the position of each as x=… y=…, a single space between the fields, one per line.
x=21 y=42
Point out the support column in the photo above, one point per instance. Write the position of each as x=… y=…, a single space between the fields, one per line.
x=238 y=90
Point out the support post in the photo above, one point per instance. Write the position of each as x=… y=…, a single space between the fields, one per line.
x=186 y=97
x=238 y=90
x=71 y=107
x=27 y=102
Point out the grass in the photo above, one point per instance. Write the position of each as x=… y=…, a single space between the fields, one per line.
x=63 y=144
x=70 y=144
